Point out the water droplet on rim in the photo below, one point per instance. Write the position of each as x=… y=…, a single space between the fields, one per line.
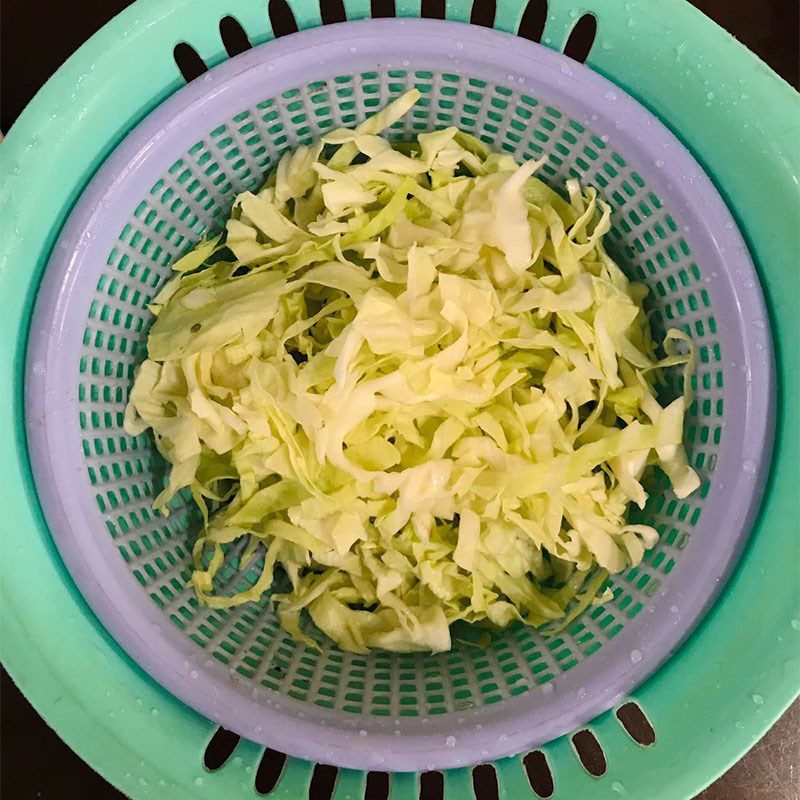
x=636 y=656
x=450 y=741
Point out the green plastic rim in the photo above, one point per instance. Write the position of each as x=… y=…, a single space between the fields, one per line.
x=715 y=697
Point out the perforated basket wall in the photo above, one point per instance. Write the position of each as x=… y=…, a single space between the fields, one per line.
x=195 y=196
x=222 y=135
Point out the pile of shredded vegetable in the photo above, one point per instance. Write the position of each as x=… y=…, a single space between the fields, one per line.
x=410 y=378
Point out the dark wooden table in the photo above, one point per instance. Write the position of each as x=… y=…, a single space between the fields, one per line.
x=35 y=39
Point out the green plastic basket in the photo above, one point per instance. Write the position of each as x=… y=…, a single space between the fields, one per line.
x=681 y=67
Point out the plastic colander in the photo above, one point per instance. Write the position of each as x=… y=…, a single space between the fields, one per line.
x=171 y=180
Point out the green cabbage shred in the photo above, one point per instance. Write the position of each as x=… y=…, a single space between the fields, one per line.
x=409 y=378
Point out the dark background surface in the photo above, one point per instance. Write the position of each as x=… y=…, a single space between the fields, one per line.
x=36 y=37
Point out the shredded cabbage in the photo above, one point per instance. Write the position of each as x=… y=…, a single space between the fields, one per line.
x=410 y=377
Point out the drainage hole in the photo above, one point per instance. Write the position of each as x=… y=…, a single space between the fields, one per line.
x=378 y=786
x=431 y=786
x=533 y=20
x=189 y=62
x=581 y=38
x=269 y=771
x=539 y=775
x=281 y=18
x=323 y=782
x=233 y=36
x=636 y=724
x=590 y=753
x=484 y=782
x=219 y=749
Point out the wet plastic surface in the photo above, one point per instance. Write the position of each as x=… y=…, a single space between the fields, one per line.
x=768 y=771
